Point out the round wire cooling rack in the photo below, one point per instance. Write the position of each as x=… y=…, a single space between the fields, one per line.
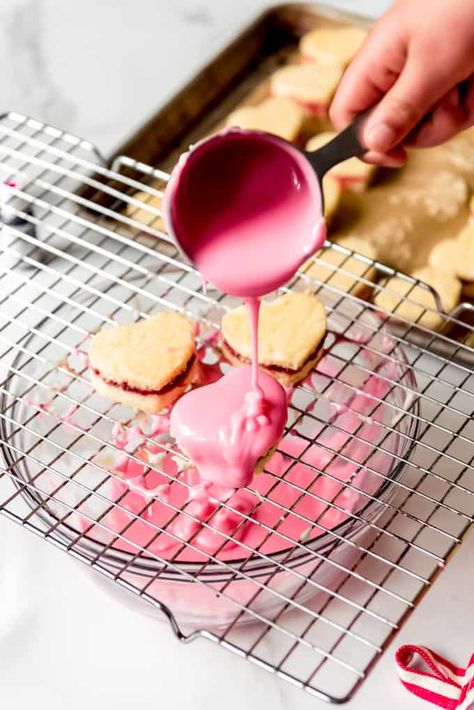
x=81 y=229
x=309 y=561
x=16 y=430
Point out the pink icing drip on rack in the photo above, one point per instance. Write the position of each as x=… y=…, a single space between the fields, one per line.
x=161 y=480
x=320 y=502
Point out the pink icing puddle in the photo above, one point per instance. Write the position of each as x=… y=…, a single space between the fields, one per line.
x=246 y=208
x=204 y=515
x=292 y=501
x=318 y=503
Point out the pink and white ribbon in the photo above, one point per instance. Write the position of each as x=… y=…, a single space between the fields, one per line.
x=435 y=679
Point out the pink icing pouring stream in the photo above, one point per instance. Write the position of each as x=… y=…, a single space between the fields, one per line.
x=247 y=208
x=253 y=306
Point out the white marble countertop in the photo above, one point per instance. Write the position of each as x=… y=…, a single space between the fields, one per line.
x=98 y=68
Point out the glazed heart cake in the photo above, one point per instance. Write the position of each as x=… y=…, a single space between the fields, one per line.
x=276 y=115
x=229 y=430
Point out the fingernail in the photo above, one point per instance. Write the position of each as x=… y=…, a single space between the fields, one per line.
x=380 y=137
x=386 y=160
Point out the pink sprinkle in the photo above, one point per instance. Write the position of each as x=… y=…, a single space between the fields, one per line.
x=70 y=412
x=66 y=418
x=82 y=356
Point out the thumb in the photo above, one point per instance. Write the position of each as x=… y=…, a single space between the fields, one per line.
x=411 y=97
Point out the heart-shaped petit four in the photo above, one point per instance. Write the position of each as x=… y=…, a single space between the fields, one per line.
x=311 y=85
x=290 y=335
x=279 y=116
x=337 y=44
x=144 y=365
x=352 y=174
x=228 y=429
x=415 y=303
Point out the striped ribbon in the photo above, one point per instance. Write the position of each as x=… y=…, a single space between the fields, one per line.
x=435 y=679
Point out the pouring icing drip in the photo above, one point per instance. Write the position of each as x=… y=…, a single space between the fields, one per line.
x=246 y=208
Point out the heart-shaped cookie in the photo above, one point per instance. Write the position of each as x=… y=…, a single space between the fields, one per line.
x=227 y=429
x=279 y=116
x=144 y=365
x=311 y=85
x=337 y=44
x=290 y=335
x=416 y=303
x=352 y=174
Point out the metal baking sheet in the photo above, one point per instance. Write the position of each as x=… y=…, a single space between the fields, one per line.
x=404 y=213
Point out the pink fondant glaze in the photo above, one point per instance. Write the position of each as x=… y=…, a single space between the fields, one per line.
x=245 y=206
x=227 y=426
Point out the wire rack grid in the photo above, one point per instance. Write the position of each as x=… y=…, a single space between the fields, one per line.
x=377 y=515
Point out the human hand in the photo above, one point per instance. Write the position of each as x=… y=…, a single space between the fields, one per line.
x=417 y=64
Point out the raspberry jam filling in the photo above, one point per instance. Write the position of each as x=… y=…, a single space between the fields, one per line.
x=314 y=109
x=276 y=368
x=348 y=181
x=126 y=387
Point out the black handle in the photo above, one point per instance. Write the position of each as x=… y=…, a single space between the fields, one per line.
x=347 y=144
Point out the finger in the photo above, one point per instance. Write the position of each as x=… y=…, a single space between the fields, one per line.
x=359 y=89
x=368 y=77
x=443 y=122
x=412 y=96
x=395 y=158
